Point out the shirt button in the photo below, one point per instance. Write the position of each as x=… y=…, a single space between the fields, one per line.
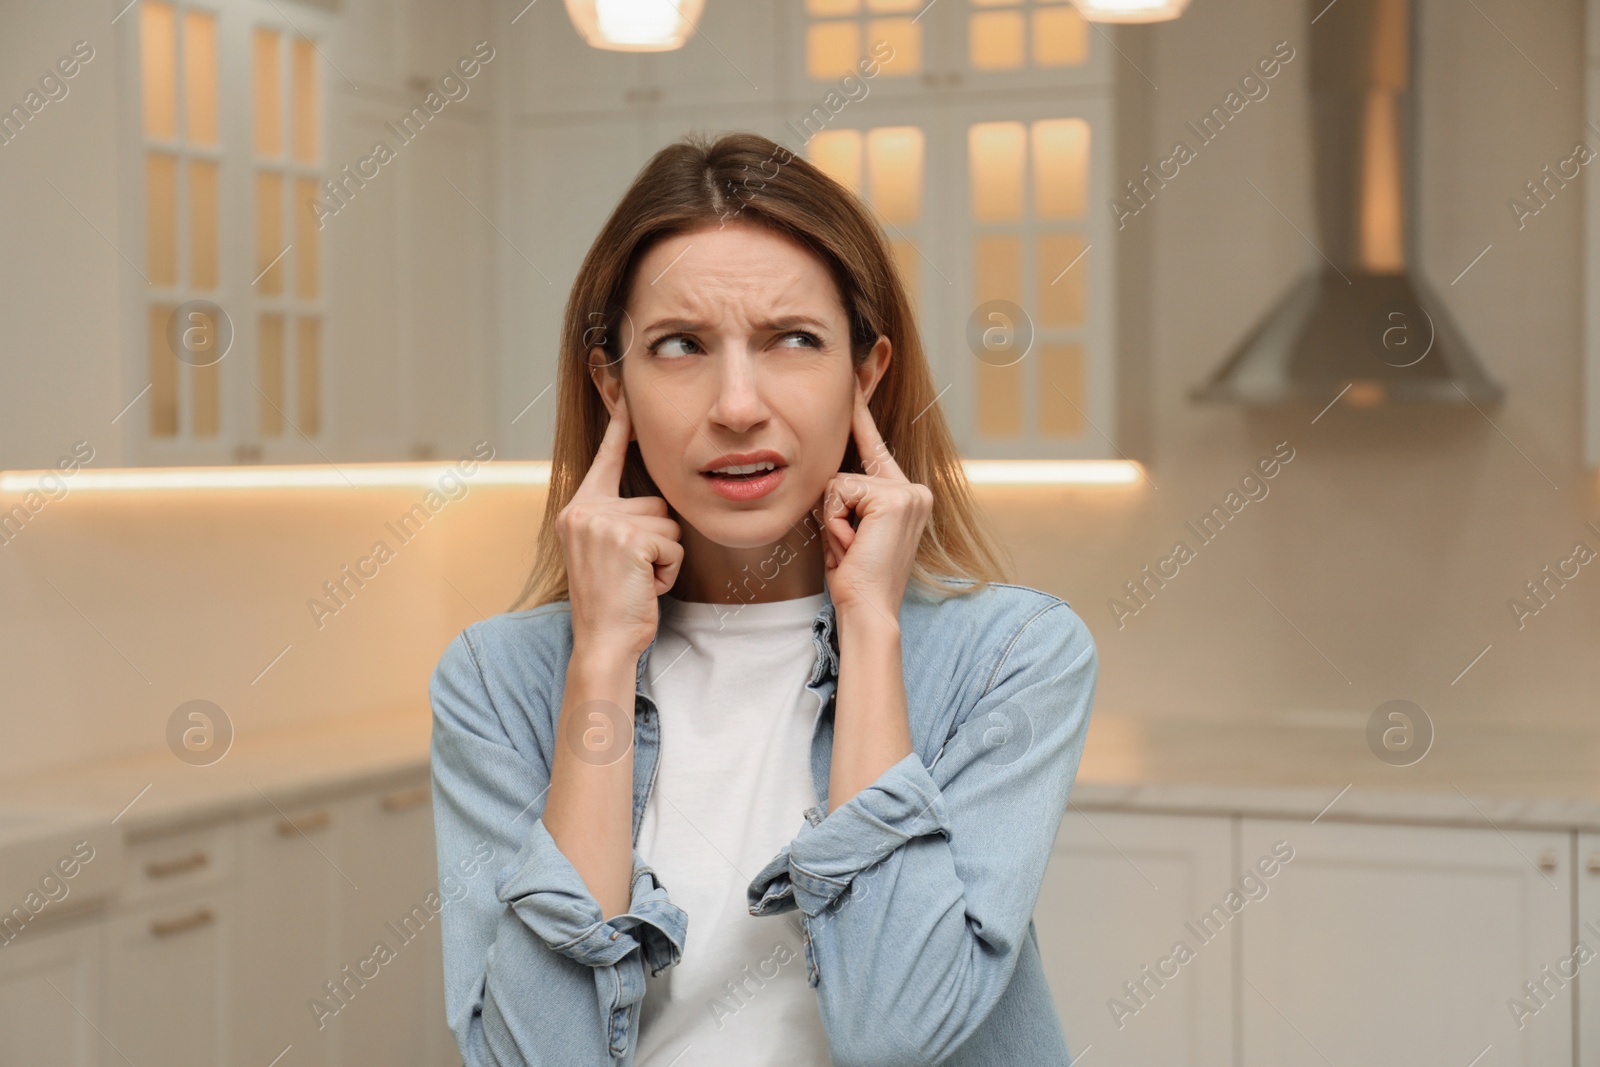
x=614 y=937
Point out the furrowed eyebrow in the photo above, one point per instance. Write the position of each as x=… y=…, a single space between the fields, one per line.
x=792 y=321
x=785 y=323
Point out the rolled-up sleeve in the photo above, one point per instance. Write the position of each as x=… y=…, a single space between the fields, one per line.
x=819 y=864
x=550 y=896
x=534 y=973
x=917 y=892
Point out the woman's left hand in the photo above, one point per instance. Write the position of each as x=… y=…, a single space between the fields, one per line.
x=868 y=566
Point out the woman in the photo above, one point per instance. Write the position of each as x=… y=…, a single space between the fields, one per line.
x=770 y=771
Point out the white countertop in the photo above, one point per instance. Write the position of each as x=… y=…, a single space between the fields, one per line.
x=1505 y=776
x=155 y=792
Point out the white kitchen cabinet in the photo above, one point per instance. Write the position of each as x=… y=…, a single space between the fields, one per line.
x=731 y=58
x=555 y=73
x=444 y=310
x=380 y=44
x=1402 y=944
x=167 y=982
x=362 y=332
x=999 y=45
x=1026 y=44
x=574 y=173
x=388 y=915
x=411 y=375
x=1373 y=943
x=1013 y=183
x=326 y=883
x=437 y=35
x=1116 y=899
x=1586 y=964
x=172 y=863
x=285 y=950
x=992 y=91
x=50 y=992
x=225 y=937
x=166 y=950
x=910 y=54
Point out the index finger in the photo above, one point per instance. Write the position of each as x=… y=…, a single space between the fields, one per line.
x=604 y=477
x=869 y=443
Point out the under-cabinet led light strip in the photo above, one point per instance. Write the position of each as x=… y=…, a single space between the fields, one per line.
x=532 y=472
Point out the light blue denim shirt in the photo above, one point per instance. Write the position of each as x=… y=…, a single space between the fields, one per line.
x=916 y=895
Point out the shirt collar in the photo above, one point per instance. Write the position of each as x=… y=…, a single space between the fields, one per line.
x=824 y=632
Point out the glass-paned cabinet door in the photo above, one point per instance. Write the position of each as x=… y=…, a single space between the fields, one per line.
x=860 y=49
x=883 y=159
x=987 y=211
x=886 y=157
x=179 y=167
x=286 y=393
x=225 y=110
x=1027 y=338
x=911 y=46
x=1020 y=44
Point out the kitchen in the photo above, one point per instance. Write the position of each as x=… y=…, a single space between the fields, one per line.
x=1298 y=407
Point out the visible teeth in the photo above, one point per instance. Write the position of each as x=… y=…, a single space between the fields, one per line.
x=748 y=468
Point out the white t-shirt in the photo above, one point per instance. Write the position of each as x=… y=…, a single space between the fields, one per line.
x=732 y=787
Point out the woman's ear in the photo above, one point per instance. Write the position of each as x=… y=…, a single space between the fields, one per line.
x=873 y=368
x=609 y=386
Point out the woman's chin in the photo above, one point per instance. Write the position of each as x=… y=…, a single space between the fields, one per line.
x=750 y=527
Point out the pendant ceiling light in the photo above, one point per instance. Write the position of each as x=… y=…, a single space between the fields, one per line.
x=635 y=25
x=1130 y=10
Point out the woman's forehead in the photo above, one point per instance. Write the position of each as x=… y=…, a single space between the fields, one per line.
x=703 y=278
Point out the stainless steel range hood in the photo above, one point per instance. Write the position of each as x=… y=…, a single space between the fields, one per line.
x=1362 y=317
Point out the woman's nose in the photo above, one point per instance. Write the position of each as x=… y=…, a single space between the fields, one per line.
x=739 y=403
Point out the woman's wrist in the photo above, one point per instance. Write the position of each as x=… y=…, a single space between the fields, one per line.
x=867 y=624
x=601 y=659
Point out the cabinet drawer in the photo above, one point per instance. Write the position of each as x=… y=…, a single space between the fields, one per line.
x=405 y=797
x=173 y=863
x=166 y=984
x=39 y=1025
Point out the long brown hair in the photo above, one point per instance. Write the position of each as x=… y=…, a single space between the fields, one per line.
x=700 y=181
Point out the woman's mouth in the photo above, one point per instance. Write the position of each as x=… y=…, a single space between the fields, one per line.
x=745 y=484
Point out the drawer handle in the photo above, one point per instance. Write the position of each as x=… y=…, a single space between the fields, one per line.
x=202 y=916
x=289 y=827
x=1547 y=859
x=401 y=799
x=181 y=865
x=1594 y=861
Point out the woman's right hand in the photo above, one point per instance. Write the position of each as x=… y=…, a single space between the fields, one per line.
x=621 y=552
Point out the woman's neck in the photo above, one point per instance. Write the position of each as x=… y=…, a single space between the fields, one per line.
x=787 y=569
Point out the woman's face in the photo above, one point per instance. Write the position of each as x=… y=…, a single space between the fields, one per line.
x=736 y=341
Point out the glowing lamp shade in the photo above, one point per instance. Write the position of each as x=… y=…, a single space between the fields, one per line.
x=635 y=25
x=1130 y=10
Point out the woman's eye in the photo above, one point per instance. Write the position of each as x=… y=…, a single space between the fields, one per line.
x=655 y=346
